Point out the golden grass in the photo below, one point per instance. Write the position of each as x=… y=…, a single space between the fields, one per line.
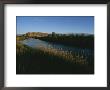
x=66 y=55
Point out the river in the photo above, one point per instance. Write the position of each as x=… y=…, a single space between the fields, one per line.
x=36 y=43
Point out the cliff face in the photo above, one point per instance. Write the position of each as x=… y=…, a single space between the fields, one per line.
x=36 y=34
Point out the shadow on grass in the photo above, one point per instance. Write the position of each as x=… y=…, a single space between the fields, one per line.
x=36 y=61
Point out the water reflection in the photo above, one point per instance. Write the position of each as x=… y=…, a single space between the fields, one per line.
x=36 y=43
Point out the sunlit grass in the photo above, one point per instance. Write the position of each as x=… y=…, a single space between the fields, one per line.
x=65 y=55
x=68 y=56
x=49 y=60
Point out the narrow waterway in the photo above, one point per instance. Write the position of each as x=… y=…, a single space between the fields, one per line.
x=36 y=43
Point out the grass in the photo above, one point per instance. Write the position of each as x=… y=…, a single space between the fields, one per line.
x=50 y=61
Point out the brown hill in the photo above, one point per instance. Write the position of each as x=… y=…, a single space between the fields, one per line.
x=36 y=34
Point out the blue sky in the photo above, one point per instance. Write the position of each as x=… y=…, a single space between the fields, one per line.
x=58 y=24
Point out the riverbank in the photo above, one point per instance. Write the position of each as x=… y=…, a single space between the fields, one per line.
x=78 y=41
x=49 y=61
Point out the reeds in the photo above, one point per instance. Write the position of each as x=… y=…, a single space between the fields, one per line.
x=68 y=56
x=50 y=60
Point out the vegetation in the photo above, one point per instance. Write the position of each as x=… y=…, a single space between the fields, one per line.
x=75 y=40
x=19 y=38
x=72 y=40
x=50 y=61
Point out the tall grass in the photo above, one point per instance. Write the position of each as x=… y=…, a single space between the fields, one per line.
x=50 y=61
x=68 y=56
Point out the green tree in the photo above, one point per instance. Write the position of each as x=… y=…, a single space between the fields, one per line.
x=53 y=34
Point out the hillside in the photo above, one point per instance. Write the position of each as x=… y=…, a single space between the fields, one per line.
x=36 y=34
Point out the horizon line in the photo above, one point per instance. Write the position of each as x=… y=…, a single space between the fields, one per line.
x=57 y=33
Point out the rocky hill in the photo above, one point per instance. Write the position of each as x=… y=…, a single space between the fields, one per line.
x=36 y=34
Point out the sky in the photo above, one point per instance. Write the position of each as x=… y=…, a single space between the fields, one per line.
x=58 y=24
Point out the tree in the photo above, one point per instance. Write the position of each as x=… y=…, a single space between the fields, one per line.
x=53 y=34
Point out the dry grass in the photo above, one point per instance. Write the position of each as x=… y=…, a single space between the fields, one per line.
x=50 y=60
x=68 y=56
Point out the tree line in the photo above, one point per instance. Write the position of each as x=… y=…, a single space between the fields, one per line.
x=76 y=40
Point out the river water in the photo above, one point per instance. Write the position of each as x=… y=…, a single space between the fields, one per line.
x=36 y=43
